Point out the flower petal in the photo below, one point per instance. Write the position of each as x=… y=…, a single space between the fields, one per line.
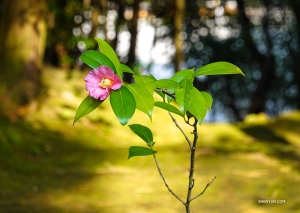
x=105 y=94
x=117 y=83
x=105 y=72
x=92 y=79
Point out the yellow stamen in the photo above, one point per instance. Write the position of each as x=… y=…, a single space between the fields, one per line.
x=105 y=82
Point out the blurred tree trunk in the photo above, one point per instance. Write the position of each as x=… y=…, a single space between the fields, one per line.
x=133 y=33
x=178 y=12
x=22 y=44
x=295 y=5
x=266 y=62
x=99 y=7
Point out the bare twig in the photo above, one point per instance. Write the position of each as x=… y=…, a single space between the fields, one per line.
x=207 y=185
x=172 y=95
x=192 y=147
x=164 y=180
x=177 y=125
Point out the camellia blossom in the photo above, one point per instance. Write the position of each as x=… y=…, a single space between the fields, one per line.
x=100 y=82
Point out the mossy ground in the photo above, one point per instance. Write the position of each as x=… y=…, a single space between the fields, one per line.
x=48 y=165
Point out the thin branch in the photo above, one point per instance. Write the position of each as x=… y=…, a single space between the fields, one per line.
x=177 y=125
x=192 y=168
x=172 y=95
x=164 y=180
x=207 y=185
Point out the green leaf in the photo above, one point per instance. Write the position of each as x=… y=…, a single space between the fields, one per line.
x=218 y=68
x=147 y=81
x=208 y=99
x=123 y=104
x=125 y=68
x=166 y=84
x=169 y=98
x=183 y=74
x=182 y=94
x=106 y=49
x=162 y=95
x=88 y=105
x=198 y=105
x=186 y=84
x=143 y=98
x=140 y=151
x=143 y=132
x=168 y=107
x=94 y=59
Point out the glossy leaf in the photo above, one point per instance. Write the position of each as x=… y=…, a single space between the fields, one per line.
x=143 y=132
x=186 y=84
x=94 y=59
x=148 y=81
x=162 y=95
x=218 y=68
x=143 y=98
x=208 y=99
x=182 y=94
x=166 y=84
x=198 y=105
x=123 y=104
x=183 y=74
x=127 y=69
x=106 y=49
x=88 y=105
x=168 y=107
x=140 y=151
x=169 y=98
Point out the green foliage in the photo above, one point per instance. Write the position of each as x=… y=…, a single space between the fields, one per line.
x=88 y=105
x=94 y=59
x=208 y=99
x=139 y=95
x=197 y=106
x=168 y=107
x=183 y=74
x=183 y=95
x=143 y=98
x=143 y=132
x=218 y=68
x=123 y=104
x=125 y=68
x=106 y=49
x=149 y=82
x=140 y=151
x=166 y=84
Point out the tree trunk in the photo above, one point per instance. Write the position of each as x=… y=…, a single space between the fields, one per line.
x=133 y=32
x=178 y=18
x=22 y=44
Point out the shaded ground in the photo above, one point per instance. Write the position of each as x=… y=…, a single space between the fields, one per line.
x=48 y=165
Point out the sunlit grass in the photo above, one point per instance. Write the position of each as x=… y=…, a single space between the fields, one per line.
x=49 y=165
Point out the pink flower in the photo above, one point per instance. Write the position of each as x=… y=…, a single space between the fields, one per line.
x=100 y=82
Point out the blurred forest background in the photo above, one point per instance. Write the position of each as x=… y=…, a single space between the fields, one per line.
x=160 y=37
x=48 y=165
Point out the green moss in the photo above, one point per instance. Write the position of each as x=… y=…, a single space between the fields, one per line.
x=49 y=165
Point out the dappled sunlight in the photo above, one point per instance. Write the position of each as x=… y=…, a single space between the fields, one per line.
x=49 y=165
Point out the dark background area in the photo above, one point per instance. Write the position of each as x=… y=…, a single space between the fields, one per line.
x=261 y=37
